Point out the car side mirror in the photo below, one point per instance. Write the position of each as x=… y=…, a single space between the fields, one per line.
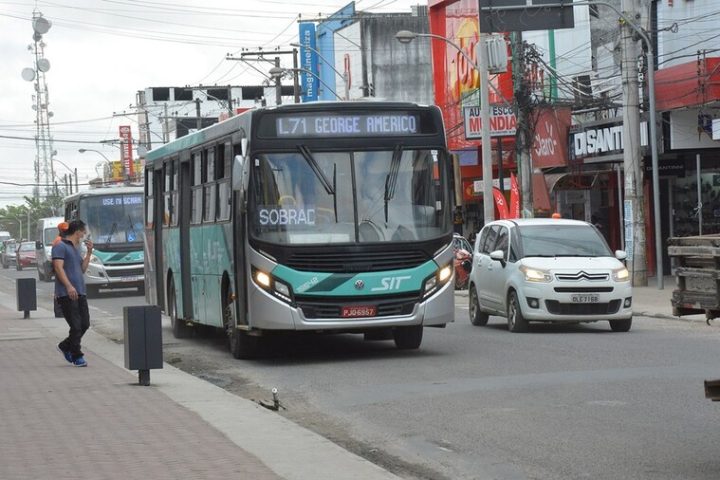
x=620 y=254
x=498 y=256
x=467 y=265
x=38 y=245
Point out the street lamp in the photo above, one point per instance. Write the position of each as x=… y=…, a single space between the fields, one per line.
x=406 y=36
x=107 y=164
x=72 y=172
x=344 y=75
x=277 y=72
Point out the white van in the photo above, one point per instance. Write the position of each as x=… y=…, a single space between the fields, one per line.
x=4 y=236
x=45 y=233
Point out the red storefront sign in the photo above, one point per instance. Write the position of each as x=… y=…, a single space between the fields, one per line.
x=550 y=147
x=454 y=77
x=126 y=145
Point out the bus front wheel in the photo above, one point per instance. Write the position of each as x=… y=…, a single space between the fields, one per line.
x=240 y=344
x=408 y=338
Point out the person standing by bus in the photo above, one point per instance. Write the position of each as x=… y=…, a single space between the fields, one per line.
x=70 y=290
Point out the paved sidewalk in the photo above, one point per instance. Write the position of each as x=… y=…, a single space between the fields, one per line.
x=58 y=421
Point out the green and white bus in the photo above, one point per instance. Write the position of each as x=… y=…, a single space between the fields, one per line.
x=114 y=218
x=322 y=217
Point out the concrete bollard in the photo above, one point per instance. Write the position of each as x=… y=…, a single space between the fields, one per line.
x=26 y=295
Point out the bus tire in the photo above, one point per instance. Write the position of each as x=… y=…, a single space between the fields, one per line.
x=179 y=327
x=244 y=346
x=408 y=338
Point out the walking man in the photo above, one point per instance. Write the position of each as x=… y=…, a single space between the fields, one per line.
x=70 y=290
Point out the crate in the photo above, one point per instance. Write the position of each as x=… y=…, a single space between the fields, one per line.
x=698 y=275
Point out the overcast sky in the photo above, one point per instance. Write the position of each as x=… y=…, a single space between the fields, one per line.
x=101 y=52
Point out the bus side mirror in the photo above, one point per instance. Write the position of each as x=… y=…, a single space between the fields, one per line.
x=237 y=172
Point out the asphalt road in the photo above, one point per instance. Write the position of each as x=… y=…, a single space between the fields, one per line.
x=570 y=402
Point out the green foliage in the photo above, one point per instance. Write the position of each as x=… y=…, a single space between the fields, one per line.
x=13 y=216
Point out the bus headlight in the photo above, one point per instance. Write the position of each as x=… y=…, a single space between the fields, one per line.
x=440 y=278
x=95 y=260
x=272 y=285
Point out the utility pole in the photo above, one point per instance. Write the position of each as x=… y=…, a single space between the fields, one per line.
x=278 y=85
x=522 y=137
x=634 y=215
x=487 y=174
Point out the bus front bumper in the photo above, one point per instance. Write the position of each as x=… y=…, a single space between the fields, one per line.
x=270 y=313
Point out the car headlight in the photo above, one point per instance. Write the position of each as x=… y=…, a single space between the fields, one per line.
x=440 y=278
x=272 y=285
x=621 y=274
x=535 y=274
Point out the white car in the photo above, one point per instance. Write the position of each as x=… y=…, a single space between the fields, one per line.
x=548 y=270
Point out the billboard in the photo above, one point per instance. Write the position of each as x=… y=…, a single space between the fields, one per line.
x=308 y=62
x=457 y=82
x=503 y=121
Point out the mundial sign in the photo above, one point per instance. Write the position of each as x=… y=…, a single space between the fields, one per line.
x=521 y=15
x=503 y=122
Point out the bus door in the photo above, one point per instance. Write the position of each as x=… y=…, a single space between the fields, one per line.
x=184 y=228
x=239 y=232
x=159 y=287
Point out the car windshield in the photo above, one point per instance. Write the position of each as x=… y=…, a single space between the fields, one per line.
x=346 y=197
x=562 y=241
x=27 y=247
x=49 y=235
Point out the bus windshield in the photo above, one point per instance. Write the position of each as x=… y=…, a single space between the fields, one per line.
x=309 y=197
x=113 y=218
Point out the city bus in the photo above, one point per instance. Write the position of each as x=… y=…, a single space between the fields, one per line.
x=329 y=217
x=114 y=219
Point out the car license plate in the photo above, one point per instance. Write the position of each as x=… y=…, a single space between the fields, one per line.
x=359 y=311
x=585 y=299
x=128 y=279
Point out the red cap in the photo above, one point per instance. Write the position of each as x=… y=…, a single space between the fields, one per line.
x=63 y=226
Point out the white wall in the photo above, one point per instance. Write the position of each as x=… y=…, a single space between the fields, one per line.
x=697 y=29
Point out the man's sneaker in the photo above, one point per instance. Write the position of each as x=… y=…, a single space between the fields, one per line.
x=66 y=354
x=80 y=362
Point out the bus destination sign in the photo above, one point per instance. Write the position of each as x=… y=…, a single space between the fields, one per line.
x=359 y=125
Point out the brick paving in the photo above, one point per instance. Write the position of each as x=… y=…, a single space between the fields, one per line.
x=58 y=421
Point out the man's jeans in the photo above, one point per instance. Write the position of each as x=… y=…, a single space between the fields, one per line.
x=77 y=317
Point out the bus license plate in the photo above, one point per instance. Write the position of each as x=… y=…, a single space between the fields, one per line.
x=128 y=279
x=359 y=311
x=585 y=298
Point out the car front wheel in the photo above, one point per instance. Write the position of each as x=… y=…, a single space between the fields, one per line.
x=516 y=321
x=477 y=316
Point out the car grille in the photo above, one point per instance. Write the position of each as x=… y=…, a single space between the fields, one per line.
x=331 y=307
x=579 y=276
x=557 y=308
x=357 y=261
x=584 y=289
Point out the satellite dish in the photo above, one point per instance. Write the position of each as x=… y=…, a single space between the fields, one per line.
x=43 y=65
x=41 y=25
x=28 y=74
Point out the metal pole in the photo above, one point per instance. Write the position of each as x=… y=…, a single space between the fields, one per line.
x=488 y=202
x=618 y=173
x=296 y=83
x=699 y=194
x=198 y=115
x=77 y=185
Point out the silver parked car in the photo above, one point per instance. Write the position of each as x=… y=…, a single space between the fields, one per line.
x=548 y=270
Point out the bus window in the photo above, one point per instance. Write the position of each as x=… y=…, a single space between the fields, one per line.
x=196 y=196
